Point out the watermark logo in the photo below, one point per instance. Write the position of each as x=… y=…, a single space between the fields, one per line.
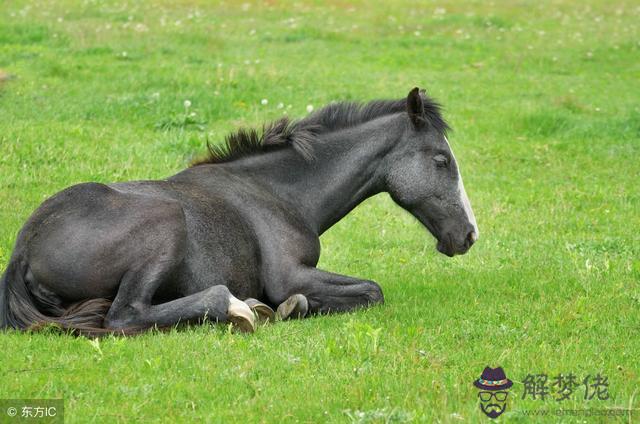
x=494 y=391
x=549 y=391
x=565 y=386
x=32 y=410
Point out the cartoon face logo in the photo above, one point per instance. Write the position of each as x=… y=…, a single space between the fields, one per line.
x=493 y=385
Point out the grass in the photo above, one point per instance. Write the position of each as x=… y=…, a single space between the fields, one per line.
x=544 y=101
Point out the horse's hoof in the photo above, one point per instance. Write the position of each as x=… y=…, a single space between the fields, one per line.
x=264 y=313
x=241 y=316
x=296 y=306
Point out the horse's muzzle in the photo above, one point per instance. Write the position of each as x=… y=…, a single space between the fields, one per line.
x=449 y=247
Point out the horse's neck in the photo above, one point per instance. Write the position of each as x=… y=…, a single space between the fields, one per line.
x=344 y=173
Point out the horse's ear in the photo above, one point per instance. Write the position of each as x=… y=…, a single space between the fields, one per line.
x=415 y=108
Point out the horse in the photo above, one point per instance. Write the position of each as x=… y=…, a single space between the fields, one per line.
x=242 y=223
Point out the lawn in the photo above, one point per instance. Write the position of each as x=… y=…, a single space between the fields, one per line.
x=544 y=102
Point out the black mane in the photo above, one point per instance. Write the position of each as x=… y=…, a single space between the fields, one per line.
x=301 y=134
x=245 y=142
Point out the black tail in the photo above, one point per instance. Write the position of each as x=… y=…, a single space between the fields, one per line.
x=3 y=295
x=23 y=308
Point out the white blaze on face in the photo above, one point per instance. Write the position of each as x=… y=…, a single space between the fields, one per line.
x=464 y=199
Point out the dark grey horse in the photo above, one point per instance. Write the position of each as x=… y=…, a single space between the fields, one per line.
x=241 y=224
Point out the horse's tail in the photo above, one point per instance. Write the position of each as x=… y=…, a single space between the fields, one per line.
x=23 y=307
x=3 y=303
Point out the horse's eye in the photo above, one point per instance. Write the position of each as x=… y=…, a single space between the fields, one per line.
x=441 y=161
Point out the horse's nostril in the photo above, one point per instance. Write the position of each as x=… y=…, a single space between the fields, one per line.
x=471 y=238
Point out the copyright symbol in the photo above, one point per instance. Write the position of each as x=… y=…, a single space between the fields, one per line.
x=12 y=412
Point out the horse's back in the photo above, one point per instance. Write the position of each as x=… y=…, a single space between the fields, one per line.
x=81 y=241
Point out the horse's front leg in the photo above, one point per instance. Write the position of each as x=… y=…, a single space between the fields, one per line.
x=310 y=290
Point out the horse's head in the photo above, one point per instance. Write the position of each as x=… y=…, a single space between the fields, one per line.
x=423 y=177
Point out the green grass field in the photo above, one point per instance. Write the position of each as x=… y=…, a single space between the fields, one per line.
x=544 y=101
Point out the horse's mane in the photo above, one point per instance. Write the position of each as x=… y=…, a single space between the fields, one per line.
x=300 y=134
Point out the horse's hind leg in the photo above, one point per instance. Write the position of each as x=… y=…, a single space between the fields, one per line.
x=133 y=308
x=215 y=303
x=263 y=311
